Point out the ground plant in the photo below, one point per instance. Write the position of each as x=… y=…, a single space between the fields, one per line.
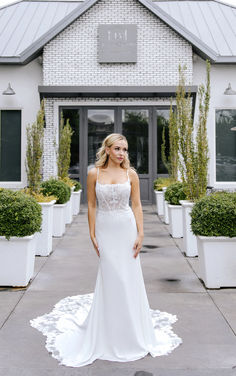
x=160 y=183
x=57 y=188
x=20 y=214
x=34 y=150
x=193 y=144
x=215 y=215
x=64 y=153
x=174 y=193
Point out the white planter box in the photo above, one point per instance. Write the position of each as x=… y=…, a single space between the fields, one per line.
x=160 y=202
x=165 y=207
x=16 y=260
x=59 y=225
x=217 y=261
x=176 y=220
x=43 y=239
x=69 y=213
x=76 y=197
x=189 y=239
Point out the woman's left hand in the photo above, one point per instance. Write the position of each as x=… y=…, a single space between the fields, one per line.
x=137 y=245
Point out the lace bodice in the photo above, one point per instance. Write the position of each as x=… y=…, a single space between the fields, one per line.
x=113 y=196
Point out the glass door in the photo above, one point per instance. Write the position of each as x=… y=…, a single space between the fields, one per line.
x=100 y=124
x=136 y=128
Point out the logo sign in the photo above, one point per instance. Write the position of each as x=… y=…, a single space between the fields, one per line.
x=117 y=43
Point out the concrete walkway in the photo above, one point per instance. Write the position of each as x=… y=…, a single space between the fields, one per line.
x=206 y=317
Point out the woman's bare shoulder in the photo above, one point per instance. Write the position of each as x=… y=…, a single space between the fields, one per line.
x=92 y=173
x=133 y=174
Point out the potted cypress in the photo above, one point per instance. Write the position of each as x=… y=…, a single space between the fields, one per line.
x=60 y=190
x=76 y=197
x=193 y=148
x=20 y=219
x=173 y=194
x=213 y=220
x=34 y=153
x=63 y=163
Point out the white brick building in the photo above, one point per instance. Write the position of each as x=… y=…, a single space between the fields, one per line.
x=112 y=66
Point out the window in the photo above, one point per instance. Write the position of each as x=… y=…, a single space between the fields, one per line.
x=225 y=145
x=10 y=145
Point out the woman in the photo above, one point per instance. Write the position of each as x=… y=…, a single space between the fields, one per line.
x=115 y=323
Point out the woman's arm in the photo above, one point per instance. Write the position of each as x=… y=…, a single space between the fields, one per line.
x=137 y=209
x=91 y=198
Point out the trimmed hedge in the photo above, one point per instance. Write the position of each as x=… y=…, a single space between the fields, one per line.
x=160 y=183
x=56 y=188
x=215 y=215
x=20 y=214
x=174 y=193
x=77 y=185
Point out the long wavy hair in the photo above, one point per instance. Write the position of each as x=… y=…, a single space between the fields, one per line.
x=101 y=155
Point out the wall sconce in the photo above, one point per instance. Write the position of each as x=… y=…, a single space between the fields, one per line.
x=229 y=90
x=8 y=91
x=233 y=129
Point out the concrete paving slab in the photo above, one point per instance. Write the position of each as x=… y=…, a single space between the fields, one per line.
x=206 y=319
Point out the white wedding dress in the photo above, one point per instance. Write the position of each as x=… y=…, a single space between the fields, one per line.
x=115 y=322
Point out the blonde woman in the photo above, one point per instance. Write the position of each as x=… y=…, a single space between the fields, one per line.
x=115 y=323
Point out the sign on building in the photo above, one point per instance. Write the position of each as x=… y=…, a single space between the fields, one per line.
x=117 y=43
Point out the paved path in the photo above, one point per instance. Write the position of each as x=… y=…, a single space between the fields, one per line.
x=206 y=317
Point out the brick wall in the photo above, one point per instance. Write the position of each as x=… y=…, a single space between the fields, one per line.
x=71 y=57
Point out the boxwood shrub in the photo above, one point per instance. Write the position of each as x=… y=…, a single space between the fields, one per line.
x=215 y=215
x=77 y=185
x=20 y=214
x=160 y=183
x=174 y=193
x=56 y=188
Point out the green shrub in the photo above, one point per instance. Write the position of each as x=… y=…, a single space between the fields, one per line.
x=174 y=193
x=77 y=185
x=58 y=189
x=215 y=215
x=20 y=214
x=160 y=183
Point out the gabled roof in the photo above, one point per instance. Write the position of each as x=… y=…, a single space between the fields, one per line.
x=27 y=25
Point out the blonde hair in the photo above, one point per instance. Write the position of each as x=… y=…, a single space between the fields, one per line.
x=101 y=155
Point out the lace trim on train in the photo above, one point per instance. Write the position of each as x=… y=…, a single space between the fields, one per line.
x=76 y=308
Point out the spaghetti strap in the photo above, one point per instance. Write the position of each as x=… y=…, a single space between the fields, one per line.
x=128 y=173
x=97 y=173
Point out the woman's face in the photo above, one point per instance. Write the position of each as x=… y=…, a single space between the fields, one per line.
x=117 y=151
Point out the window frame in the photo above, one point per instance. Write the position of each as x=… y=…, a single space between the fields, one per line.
x=16 y=183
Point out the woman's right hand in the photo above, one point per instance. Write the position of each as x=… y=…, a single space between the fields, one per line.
x=95 y=244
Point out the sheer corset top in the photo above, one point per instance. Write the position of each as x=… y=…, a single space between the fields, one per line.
x=113 y=196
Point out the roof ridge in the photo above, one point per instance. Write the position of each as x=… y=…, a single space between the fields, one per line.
x=9 y=5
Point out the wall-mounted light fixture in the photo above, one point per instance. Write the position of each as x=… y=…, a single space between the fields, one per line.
x=229 y=90
x=8 y=91
x=233 y=129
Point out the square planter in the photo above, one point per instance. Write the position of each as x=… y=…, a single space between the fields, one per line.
x=176 y=220
x=69 y=213
x=59 y=225
x=43 y=239
x=189 y=239
x=17 y=259
x=217 y=261
x=159 y=202
x=165 y=207
x=76 y=197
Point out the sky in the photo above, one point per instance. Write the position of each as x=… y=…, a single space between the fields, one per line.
x=4 y=2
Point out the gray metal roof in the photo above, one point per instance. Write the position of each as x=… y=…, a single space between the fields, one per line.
x=212 y=22
x=27 y=25
x=25 y=22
